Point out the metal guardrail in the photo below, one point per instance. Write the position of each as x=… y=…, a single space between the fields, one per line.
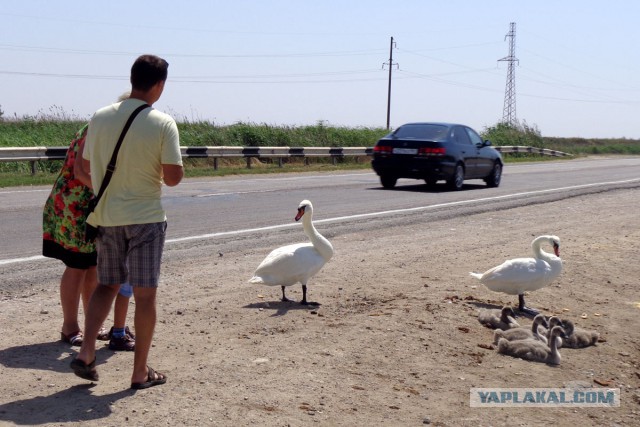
x=531 y=150
x=279 y=153
x=35 y=154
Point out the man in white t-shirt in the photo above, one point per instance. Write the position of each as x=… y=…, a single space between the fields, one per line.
x=130 y=218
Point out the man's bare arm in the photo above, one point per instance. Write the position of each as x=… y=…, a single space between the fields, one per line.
x=172 y=174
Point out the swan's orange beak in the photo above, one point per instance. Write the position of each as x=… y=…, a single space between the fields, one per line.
x=300 y=213
x=556 y=249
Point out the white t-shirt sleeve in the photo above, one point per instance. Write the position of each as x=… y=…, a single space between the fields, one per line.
x=171 y=145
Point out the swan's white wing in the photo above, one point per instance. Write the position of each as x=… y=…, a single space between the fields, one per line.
x=277 y=254
x=518 y=275
x=288 y=265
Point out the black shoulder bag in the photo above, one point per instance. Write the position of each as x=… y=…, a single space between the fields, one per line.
x=91 y=232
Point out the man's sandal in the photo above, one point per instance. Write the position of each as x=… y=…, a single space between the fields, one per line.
x=153 y=378
x=84 y=370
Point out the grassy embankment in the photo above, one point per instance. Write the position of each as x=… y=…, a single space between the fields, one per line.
x=57 y=131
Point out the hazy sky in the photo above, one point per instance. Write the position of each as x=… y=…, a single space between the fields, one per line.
x=286 y=62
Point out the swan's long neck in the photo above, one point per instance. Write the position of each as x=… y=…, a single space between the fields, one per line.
x=553 y=344
x=539 y=253
x=534 y=327
x=318 y=240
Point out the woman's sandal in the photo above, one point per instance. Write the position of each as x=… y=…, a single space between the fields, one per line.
x=74 y=338
x=84 y=370
x=153 y=378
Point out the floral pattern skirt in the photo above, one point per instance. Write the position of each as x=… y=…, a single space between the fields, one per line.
x=64 y=217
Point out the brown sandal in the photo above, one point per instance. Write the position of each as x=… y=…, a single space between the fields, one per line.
x=85 y=370
x=153 y=378
x=74 y=338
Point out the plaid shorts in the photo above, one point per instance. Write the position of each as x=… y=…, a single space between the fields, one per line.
x=131 y=253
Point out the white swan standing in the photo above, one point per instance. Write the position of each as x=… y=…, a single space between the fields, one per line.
x=288 y=265
x=517 y=276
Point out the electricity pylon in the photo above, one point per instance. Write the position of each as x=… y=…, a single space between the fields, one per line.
x=509 y=109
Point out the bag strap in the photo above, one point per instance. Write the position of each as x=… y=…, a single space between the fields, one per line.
x=111 y=167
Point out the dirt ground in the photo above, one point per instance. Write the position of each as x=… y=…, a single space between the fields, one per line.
x=394 y=342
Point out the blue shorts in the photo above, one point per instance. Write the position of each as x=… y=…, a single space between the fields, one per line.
x=131 y=253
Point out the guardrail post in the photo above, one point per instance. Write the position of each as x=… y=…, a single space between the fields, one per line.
x=248 y=162
x=215 y=163
x=279 y=162
x=33 y=167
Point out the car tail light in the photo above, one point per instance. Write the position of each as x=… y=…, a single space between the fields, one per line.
x=383 y=149
x=432 y=151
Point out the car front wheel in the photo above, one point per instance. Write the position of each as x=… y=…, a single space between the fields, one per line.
x=388 y=181
x=493 y=180
x=456 y=181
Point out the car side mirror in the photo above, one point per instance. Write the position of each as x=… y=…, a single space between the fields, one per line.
x=487 y=143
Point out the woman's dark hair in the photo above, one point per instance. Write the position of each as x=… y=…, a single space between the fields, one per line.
x=147 y=71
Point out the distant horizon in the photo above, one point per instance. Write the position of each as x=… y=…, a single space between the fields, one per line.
x=288 y=63
x=481 y=130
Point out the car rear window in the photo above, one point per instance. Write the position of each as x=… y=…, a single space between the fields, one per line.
x=422 y=131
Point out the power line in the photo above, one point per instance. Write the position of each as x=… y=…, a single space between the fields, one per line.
x=248 y=79
x=189 y=55
x=433 y=78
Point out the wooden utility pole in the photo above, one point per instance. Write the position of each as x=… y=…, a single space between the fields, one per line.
x=389 y=91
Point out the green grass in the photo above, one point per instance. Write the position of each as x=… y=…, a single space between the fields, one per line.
x=14 y=180
x=579 y=146
x=55 y=128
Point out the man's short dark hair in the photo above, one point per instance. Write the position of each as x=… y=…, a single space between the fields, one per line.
x=148 y=70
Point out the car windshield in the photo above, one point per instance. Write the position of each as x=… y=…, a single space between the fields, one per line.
x=431 y=132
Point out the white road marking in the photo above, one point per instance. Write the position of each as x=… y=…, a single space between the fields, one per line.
x=231 y=193
x=398 y=211
x=287 y=178
x=17 y=260
x=32 y=190
x=364 y=215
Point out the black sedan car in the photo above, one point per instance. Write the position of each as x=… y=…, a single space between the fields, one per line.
x=434 y=152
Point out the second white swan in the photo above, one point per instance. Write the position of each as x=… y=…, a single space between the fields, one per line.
x=520 y=275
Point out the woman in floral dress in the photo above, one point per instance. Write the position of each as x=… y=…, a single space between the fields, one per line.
x=63 y=238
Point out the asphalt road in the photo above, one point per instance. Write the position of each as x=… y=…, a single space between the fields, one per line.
x=216 y=214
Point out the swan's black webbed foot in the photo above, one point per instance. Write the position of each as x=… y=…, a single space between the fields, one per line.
x=529 y=311
x=524 y=309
